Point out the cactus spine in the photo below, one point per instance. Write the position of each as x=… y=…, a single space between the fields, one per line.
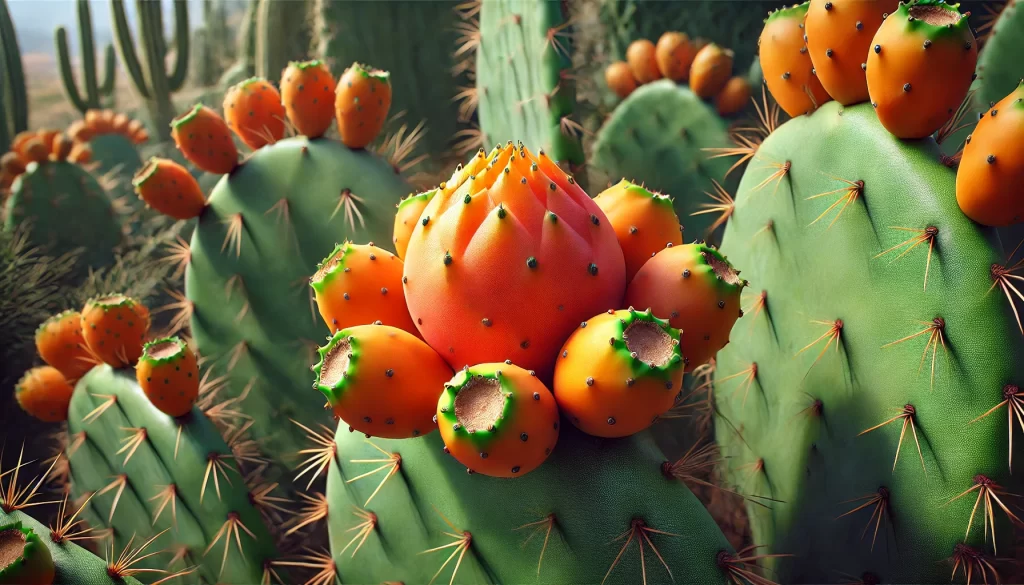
x=13 y=96
x=96 y=95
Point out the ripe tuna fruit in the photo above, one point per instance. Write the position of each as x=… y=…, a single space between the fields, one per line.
x=620 y=80
x=169 y=188
x=44 y=393
x=409 y=211
x=643 y=62
x=787 y=67
x=988 y=182
x=698 y=291
x=734 y=96
x=710 y=71
x=498 y=419
x=674 y=54
x=253 y=110
x=381 y=381
x=618 y=373
x=60 y=343
x=920 y=66
x=115 y=328
x=168 y=373
x=307 y=90
x=205 y=140
x=507 y=260
x=644 y=222
x=361 y=104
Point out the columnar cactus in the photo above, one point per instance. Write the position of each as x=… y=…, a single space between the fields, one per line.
x=282 y=33
x=96 y=95
x=13 y=95
x=245 y=50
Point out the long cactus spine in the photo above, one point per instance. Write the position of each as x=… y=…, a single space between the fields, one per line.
x=95 y=94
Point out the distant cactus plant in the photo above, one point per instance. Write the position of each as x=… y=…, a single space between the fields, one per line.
x=999 y=66
x=282 y=32
x=97 y=94
x=245 y=49
x=13 y=95
x=113 y=138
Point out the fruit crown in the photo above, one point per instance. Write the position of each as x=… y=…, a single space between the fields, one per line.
x=662 y=198
x=112 y=300
x=56 y=318
x=725 y=275
x=466 y=378
x=622 y=348
x=247 y=82
x=932 y=18
x=29 y=536
x=330 y=266
x=415 y=197
x=306 y=64
x=187 y=116
x=348 y=343
x=369 y=71
x=148 y=350
x=147 y=171
x=794 y=11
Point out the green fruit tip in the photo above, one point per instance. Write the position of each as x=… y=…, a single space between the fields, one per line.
x=55 y=318
x=302 y=65
x=934 y=16
x=20 y=540
x=475 y=403
x=337 y=360
x=423 y=196
x=649 y=342
x=796 y=10
x=247 y=82
x=187 y=116
x=329 y=266
x=147 y=171
x=163 y=350
x=110 y=301
x=372 y=72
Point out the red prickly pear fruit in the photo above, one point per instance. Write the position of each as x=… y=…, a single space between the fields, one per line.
x=44 y=393
x=115 y=328
x=361 y=104
x=644 y=222
x=381 y=381
x=359 y=284
x=168 y=372
x=307 y=90
x=253 y=110
x=787 y=67
x=60 y=343
x=643 y=62
x=169 y=188
x=205 y=140
x=697 y=290
x=618 y=373
x=409 y=211
x=498 y=419
x=710 y=71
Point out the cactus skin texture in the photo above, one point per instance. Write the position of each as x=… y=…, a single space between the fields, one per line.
x=163 y=451
x=999 y=67
x=96 y=95
x=409 y=211
x=523 y=56
x=644 y=222
x=838 y=299
x=787 y=67
x=13 y=94
x=656 y=137
x=26 y=560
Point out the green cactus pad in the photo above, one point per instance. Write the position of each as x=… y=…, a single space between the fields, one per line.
x=848 y=350
x=116 y=155
x=24 y=559
x=999 y=64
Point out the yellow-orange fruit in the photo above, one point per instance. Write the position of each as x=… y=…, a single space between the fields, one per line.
x=359 y=284
x=44 y=393
x=307 y=90
x=619 y=78
x=643 y=61
x=644 y=222
x=788 y=71
x=697 y=290
x=920 y=67
x=361 y=104
x=169 y=188
x=409 y=211
x=498 y=419
x=839 y=34
x=988 y=182
x=205 y=140
x=115 y=328
x=734 y=96
x=168 y=373
x=674 y=54
x=381 y=381
x=618 y=373
x=710 y=71
x=253 y=110
x=508 y=258
x=60 y=343
x=80 y=153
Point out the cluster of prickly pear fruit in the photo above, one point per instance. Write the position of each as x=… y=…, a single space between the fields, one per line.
x=867 y=393
x=113 y=139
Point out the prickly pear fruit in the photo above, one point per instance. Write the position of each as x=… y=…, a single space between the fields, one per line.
x=60 y=343
x=992 y=167
x=169 y=188
x=618 y=373
x=518 y=222
x=644 y=222
x=24 y=558
x=920 y=66
x=787 y=67
x=498 y=419
x=619 y=78
x=674 y=54
x=710 y=71
x=168 y=373
x=643 y=62
x=115 y=328
x=409 y=211
x=734 y=96
x=697 y=290
x=359 y=284
x=361 y=104
x=204 y=139
x=253 y=110
x=382 y=381
x=44 y=393
x=307 y=90
x=839 y=34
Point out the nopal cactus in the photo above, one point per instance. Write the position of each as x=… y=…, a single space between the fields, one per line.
x=999 y=67
x=96 y=94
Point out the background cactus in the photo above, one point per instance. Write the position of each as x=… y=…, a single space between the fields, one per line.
x=96 y=95
x=282 y=34
x=999 y=66
x=13 y=96
x=245 y=49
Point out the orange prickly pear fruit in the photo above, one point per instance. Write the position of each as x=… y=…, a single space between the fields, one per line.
x=409 y=211
x=787 y=67
x=674 y=54
x=839 y=34
x=644 y=222
x=169 y=188
x=61 y=147
x=44 y=393
x=115 y=328
x=381 y=381
x=204 y=139
x=734 y=96
x=307 y=90
x=361 y=104
x=620 y=80
x=992 y=167
x=254 y=112
x=643 y=61
x=710 y=71
x=920 y=67
x=618 y=373
x=168 y=373
x=498 y=419
x=80 y=153
x=698 y=291
x=37 y=150
x=515 y=221
x=60 y=343
x=358 y=284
